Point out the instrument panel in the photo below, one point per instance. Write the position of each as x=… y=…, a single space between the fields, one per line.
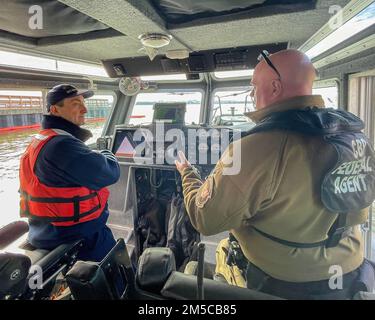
x=155 y=144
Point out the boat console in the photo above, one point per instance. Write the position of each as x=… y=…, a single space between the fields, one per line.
x=150 y=183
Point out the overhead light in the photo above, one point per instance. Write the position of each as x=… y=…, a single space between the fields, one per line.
x=155 y=40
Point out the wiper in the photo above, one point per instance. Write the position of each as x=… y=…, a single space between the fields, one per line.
x=219 y=107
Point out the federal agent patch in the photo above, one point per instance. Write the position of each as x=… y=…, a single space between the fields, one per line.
x=204 y=193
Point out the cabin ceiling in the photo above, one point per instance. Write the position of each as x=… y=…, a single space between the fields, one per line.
x=95 y=30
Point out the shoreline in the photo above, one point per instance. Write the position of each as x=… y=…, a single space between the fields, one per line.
x=36 y=126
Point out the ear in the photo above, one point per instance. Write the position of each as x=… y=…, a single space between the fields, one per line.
x=277 y=88
x=54 y=110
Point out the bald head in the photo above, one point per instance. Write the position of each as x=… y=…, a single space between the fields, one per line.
x=297 y=77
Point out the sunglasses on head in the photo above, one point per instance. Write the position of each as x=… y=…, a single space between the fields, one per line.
x=264 y=55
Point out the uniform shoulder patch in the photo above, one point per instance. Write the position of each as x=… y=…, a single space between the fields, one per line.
x=204 y=193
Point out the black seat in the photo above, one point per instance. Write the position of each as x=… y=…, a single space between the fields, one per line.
x=112 y=278
x=17 y=256
x=155 y=265
x=14 y=270
x=13 y=238
x=157 y=274
x=181 y=286
x=11 y=232
x=35 y=254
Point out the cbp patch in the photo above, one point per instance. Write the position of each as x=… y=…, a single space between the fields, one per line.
x=204 y=193
x=350 y=185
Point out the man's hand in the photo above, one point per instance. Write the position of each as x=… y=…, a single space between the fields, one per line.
x=183 y=163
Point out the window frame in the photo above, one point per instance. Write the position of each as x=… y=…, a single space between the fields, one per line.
x=109 y=117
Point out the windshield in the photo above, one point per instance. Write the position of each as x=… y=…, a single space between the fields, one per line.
x=229 y=107
x=143 y=109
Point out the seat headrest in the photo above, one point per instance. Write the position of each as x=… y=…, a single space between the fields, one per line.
x=87 y=281
x=181 y=286
x=14 y=269
x=154 y=267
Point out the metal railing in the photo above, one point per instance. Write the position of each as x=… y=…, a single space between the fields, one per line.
x=93 y=103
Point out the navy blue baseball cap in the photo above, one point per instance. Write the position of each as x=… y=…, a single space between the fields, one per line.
x=63 y=91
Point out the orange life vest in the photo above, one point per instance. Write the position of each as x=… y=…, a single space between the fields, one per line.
x=59 y=206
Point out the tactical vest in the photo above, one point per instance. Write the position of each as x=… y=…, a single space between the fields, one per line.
x=59 y=206
x=349 y=185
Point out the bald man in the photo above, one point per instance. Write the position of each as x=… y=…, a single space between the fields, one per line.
x=304 y=188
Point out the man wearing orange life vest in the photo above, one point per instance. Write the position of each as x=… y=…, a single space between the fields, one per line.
x=63 y=183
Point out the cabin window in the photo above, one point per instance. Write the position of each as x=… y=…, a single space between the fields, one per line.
x=359 y=22
x=98 y=110
x=80 y=68
x=165 y=77
x=20 y=117
x=247 y=73
x=229 y=107
x=142 y=111
x=329 y=94
x=361 y=102
x=21 y=60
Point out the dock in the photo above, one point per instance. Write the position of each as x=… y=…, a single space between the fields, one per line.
x=18 y=112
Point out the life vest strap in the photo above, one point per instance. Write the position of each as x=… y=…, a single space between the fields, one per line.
x=58 y=200
x=75 y=201
x=73 y=218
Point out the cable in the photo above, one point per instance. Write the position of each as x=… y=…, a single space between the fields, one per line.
x=153 y=178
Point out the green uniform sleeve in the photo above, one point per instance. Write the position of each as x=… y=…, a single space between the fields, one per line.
x=213 y=205
x=230 y=199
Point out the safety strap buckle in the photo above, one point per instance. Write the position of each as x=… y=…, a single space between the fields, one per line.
x=334 y=239
x=26 y=199
x=338 y=232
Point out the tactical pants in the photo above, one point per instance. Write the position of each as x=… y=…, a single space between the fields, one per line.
x=314 y=290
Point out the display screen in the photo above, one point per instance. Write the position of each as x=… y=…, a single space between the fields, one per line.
x=124 y=144
x=170 y=112
x=201 y=146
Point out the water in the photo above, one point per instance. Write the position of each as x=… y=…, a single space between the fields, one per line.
x=12 y=146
